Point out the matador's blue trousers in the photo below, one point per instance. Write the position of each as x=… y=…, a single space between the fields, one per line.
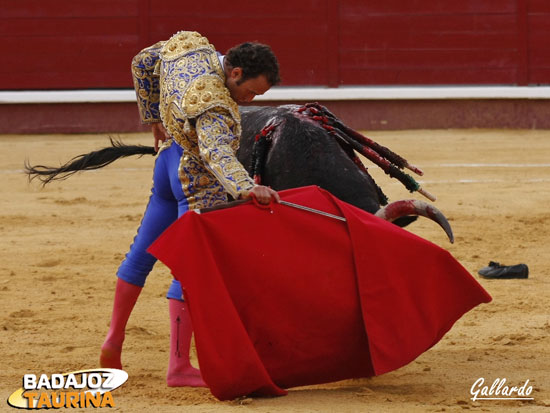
x=166 y=204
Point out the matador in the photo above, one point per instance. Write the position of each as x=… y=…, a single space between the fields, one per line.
x=189 y=93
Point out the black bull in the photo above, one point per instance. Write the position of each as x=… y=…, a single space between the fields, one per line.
x=288 y=147
x=302 y=153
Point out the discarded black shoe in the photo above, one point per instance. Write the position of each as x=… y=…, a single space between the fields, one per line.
x=495 y=270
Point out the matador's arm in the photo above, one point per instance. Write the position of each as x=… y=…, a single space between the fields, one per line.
x=215 y=139
x=146 y=83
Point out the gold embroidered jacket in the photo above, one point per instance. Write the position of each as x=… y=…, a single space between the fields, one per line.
x=181 y=83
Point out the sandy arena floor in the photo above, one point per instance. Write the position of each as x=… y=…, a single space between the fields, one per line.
x=61 y=246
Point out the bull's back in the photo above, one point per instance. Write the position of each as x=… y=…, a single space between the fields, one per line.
x=302 y=153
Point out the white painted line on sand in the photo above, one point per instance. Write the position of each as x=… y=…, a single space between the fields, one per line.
x=486 y=181
x=493 y=165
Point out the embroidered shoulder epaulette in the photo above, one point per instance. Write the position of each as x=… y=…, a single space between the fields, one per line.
x=208 y=92
x=183 y=43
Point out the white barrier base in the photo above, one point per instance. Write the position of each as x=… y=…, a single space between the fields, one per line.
x=288 y=94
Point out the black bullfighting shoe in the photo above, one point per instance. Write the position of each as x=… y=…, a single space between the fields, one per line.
x=495 y=270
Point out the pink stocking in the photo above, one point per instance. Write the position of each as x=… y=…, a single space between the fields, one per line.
x=126 y=295
x=180 y=371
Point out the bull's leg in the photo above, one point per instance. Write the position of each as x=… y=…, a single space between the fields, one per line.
x=180 y=371
x=126 y=295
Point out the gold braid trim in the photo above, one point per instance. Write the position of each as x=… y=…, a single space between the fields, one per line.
x=218 y=145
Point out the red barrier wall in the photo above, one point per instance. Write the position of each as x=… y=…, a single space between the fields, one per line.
x=68 y=44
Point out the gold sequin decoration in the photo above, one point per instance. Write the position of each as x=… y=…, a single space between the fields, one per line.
x=211 y=92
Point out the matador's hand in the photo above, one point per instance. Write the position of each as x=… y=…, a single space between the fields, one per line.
x=159 y=133
x=264 y=194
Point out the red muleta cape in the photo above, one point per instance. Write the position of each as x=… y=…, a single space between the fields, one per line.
x=280 y=297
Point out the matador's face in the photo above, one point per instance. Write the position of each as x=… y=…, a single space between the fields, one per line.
x=244 y=92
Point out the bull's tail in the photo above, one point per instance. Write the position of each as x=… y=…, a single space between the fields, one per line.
x=86 y=162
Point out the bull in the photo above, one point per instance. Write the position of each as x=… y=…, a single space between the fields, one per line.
x=292 y=146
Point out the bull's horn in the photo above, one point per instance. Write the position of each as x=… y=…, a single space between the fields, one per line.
x=405 y=207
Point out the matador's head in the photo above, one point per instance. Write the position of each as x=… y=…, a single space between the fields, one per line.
x=250 y=70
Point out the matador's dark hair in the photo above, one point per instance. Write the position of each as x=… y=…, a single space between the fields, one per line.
x=254 y=59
